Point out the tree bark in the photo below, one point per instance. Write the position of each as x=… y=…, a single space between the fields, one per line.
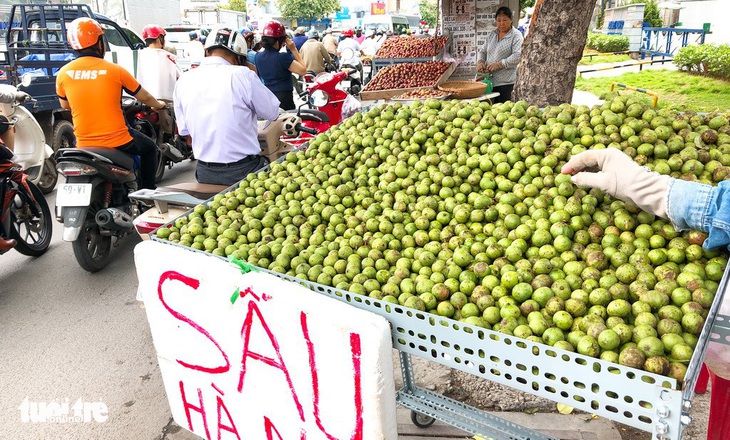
x=551 y=51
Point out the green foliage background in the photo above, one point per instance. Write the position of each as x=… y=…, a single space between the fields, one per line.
x=235 y=5
x=607 y=43
x=428 y=11
x=308 y=9
x=708 y=59
x=651 y=12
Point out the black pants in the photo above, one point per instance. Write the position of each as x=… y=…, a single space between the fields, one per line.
x=505 y=93
x=229 y=173
x=146 y=149
x=286 y=100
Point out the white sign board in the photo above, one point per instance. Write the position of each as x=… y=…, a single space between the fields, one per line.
x=247 y=356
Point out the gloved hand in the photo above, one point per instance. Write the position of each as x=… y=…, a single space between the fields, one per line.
x=620 y=177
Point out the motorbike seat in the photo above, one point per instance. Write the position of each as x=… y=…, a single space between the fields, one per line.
x=310 y=114
x=180 y=194
x=119 y=158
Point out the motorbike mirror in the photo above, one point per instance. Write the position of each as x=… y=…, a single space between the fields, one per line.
x=319 y=98
x=347 y=53
x=26 y=79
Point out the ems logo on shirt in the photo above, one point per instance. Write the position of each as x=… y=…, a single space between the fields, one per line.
x=85 y=74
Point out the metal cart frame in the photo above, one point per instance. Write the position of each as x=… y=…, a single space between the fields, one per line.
x=634 y=397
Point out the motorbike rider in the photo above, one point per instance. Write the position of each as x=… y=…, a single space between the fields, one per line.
x=300 y=37
x=275 y=67
x=370 y=45
x=314 y=53
x=349 y=51
x=217 y=105
x=196 y=52
x=359 y=35
x=158 y=71
x=250 y=39
x=330 y=43
x=91 y=88
x=7 y=140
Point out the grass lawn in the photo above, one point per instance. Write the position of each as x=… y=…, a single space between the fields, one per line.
x=589 y=61
x=676 y=89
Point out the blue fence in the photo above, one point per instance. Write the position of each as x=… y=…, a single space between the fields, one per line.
x=665 y=42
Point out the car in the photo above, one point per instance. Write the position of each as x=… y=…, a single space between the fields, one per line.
x=188 y=52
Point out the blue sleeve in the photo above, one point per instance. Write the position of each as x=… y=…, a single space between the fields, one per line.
x=693 y=205
x=286 y=59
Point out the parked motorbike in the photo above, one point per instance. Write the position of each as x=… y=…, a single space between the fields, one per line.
x=328 y=104
x=25 y=215
x=171 y=146
x=31 y=150
x=94 y=204
x=168 y=203
x=353 y=82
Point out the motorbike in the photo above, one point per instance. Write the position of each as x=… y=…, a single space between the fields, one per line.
x=165 y=204
x=327 y=103
x=31 y=150
x=353 y=82
x=171 y=146
x=25 y=215
x=93 y=204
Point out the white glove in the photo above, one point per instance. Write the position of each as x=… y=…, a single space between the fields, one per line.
x=620 y=177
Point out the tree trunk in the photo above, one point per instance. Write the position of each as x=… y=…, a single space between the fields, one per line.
x=551 y=51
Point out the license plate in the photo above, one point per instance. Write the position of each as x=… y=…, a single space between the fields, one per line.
x=73 y=194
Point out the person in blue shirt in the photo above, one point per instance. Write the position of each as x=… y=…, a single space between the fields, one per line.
x=300 y=37
x=275 y=67
x=688 y=205
x=249 y=37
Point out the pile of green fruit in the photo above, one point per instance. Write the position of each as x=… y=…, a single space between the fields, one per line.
x=459 y=209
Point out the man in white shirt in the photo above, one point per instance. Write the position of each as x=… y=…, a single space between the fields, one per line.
x=194 y=48
x=217 y=105
x=157 y=69
x=369 y=45
x=349 y=51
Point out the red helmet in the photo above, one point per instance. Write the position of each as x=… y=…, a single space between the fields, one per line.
x=348 y=33
x=274 y=29
x=152 y=31
x=84 y=32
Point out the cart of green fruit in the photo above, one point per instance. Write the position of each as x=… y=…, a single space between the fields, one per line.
x=451 y=220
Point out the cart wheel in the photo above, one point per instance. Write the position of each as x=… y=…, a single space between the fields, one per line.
x=421 y=420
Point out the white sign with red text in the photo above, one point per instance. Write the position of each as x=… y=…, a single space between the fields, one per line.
x=252 y=356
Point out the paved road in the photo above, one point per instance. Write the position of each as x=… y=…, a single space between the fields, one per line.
x=68 y=334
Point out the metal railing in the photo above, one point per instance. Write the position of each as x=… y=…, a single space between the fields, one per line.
x=665 y=41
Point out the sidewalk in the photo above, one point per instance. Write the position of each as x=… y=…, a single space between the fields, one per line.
x=570 y=427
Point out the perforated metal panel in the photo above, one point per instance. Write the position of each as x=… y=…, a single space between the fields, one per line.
x=634 y=397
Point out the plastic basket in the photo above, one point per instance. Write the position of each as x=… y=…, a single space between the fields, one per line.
x=464 y=89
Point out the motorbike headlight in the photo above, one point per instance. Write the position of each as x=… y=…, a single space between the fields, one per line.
x=319 y=98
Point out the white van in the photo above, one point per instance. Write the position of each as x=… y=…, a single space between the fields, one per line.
x=398 y=24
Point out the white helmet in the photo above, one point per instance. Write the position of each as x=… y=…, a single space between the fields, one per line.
x=227 y=39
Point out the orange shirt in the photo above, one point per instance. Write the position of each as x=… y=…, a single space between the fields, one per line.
x=93 y=88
